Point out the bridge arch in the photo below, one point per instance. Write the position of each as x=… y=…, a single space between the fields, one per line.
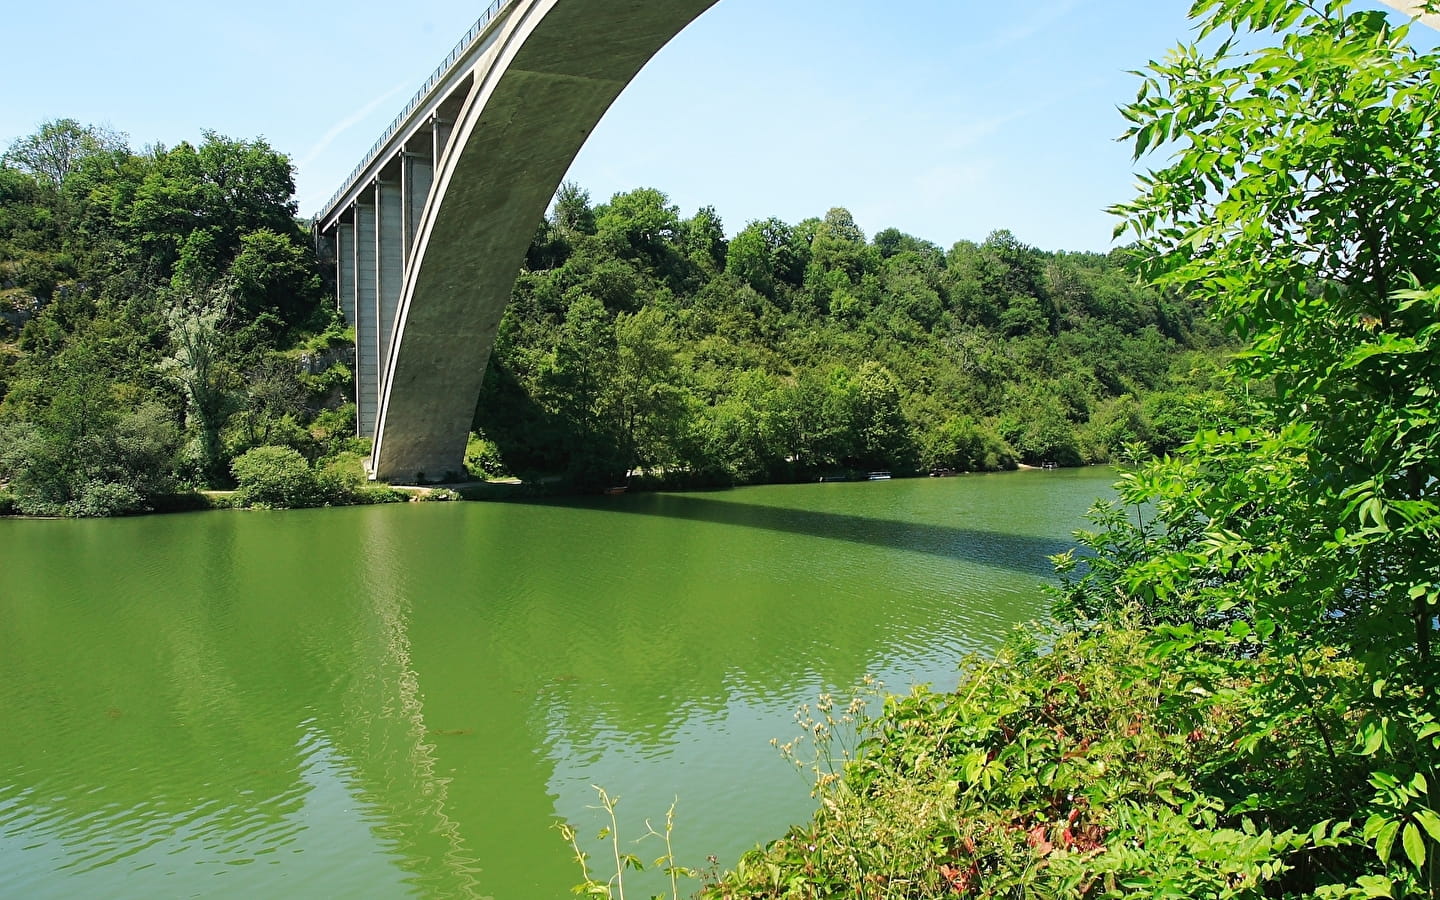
x=433 y=229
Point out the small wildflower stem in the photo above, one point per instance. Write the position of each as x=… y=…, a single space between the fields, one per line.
x=608 y=803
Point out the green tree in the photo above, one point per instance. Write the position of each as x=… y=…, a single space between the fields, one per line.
x=200 y=369
x=57 y=149
x=227 y=187
x=639 y=224
x=642 y=396
x=768 y=254
x=572 y=212
x=702 y=239
x=962 y=444
x=884 y=434
x=275 y=273
x=749 y=259
x=747 y=431
x=839 y=246
x=76 y=442
x=1037 y=427
x=572 y=386
x=269 y=407
x=1298 y=200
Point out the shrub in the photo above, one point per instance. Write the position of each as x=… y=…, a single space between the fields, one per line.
x=380 y=494
x=280 y=478
x=99 y=499
x=482 y=458
x=1077 y=772
x=335 y=428
x=341 y=474
x=337 y=378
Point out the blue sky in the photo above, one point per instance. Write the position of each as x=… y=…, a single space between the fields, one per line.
x=944 y=118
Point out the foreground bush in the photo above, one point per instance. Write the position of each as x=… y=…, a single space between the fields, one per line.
x=1255 y=715
x=1082 y=771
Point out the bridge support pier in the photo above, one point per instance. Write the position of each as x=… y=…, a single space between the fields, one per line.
x=345 y=269
x=417 y=174
x=367 y=362
x=390 y=262
x=374 y=243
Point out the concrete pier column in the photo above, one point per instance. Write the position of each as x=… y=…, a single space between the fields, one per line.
x=367 y=344
x=345 y=270
x=440 y=129
x=390 y=261
x=418 y=172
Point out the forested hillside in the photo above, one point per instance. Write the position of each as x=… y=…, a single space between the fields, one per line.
x=163 y=314
x=638 y=339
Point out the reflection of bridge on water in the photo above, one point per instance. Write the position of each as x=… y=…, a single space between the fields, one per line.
x=202 y=750
x=430 y=230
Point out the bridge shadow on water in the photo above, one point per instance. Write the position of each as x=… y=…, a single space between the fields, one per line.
x=1021 y=553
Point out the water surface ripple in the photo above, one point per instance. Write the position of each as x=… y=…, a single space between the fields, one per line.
x=397 y=701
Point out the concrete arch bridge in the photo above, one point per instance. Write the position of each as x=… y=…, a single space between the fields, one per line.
x=430 y=230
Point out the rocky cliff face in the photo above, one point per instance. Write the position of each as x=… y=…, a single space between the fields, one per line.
x=17 y=307
x=320 y=361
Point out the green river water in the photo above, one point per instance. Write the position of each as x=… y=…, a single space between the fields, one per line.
x=402 y=700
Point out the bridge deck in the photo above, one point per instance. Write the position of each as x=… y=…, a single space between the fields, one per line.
x=442 y=84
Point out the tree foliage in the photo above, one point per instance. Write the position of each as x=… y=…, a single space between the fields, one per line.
x=642 y=343
x=1301 y=208
x=150 y=308
x=53 y=152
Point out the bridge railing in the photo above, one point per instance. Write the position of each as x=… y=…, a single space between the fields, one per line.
x=460 y=50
